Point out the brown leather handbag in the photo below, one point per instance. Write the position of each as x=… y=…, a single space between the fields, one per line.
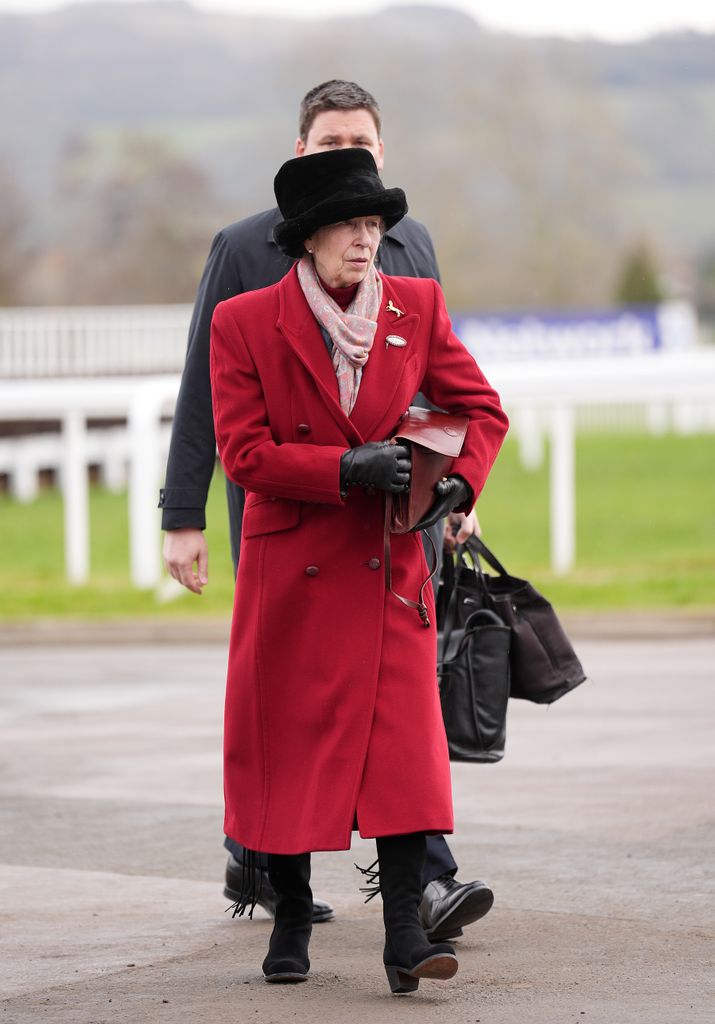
x=435 y=439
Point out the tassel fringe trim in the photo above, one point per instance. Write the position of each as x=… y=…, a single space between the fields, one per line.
x=251 y=885
x=372 y=874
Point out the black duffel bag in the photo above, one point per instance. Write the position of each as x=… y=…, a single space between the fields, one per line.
x=474 y=686
x=544 y=665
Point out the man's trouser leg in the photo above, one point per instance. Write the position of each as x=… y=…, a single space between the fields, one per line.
x=439 y=860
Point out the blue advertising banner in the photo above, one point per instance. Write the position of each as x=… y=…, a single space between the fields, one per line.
x=621 y=332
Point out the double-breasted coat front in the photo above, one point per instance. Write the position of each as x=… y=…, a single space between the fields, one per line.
x=332 y=708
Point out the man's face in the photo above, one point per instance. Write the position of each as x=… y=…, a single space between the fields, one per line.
x=342 y=129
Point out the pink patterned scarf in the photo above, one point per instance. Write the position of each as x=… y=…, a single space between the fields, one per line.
x=352 y=332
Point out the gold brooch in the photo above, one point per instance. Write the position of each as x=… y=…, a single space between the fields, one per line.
x=393 y=309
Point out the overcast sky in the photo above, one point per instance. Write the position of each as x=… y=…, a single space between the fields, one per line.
x=610 y=19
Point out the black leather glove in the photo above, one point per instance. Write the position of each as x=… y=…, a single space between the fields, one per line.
x=450 y=493
x=377 y=464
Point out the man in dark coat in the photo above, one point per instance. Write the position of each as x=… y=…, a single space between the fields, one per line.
x=243 y=258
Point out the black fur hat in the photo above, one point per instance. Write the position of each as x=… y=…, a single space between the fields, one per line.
x=328 y=187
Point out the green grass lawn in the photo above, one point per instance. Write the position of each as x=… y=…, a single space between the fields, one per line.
x=645 y=537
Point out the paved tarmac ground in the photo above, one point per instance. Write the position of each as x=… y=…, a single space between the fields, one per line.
x=595 y=832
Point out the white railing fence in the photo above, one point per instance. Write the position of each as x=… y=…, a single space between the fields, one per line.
x=544 y=401
x=23 y=459
x=143 y=402
x=92 y=341
x=76 y=341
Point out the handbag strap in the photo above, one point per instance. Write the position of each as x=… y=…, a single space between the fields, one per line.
x=451 y=611
x=419 y=604
x=446 y=583
x=476 y=547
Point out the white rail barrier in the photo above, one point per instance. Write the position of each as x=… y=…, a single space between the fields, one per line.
x=539 y=397
x=90 y=341
x=553 y=393
x=142 y=401
x=22 y=459
x=76 y=341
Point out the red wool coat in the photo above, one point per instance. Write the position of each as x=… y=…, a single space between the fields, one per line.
x=332 y=707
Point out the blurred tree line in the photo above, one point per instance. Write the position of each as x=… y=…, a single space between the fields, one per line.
x=132 y=225
x=515 y=164
x=134 y=219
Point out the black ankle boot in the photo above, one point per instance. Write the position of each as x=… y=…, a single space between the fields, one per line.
x=409 y=955
x=287 y=959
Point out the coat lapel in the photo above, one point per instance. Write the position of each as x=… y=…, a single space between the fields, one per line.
x=377 y=399
x=386 y=365
x=300 y=329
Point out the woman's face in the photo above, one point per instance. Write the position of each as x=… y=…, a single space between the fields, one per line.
x=344 y=252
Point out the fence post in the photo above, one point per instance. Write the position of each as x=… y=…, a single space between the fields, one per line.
x=563 y=489
x=144 y=531
x=76 y=497
x=530 y=437
x=24 y=477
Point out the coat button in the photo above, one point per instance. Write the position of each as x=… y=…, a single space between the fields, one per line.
x=374 y=563
x=312 y=570
x=303 y=428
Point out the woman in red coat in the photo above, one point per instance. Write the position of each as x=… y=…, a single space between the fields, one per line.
x=332 y=709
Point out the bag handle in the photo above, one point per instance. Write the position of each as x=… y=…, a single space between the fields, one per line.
x=451 y=610
x=476 y=547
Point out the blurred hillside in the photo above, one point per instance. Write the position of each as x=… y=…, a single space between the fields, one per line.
x=130 y=133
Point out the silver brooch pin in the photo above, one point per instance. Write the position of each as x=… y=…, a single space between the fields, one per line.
x=393 y=309
x=396 y=340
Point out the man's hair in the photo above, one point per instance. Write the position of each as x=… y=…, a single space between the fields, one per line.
x=335 y=95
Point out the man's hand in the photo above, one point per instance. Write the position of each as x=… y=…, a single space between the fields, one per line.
x=459 y=528
x=182 y=550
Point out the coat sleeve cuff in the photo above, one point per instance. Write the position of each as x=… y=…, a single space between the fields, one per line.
x=183 y=518
x=182 y=497
x=182 y=507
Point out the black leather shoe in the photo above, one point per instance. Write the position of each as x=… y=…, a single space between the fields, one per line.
x=447 y=905
x=267 y=898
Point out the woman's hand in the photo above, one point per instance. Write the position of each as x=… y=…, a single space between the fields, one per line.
x=379 y=464
x=450 y=493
